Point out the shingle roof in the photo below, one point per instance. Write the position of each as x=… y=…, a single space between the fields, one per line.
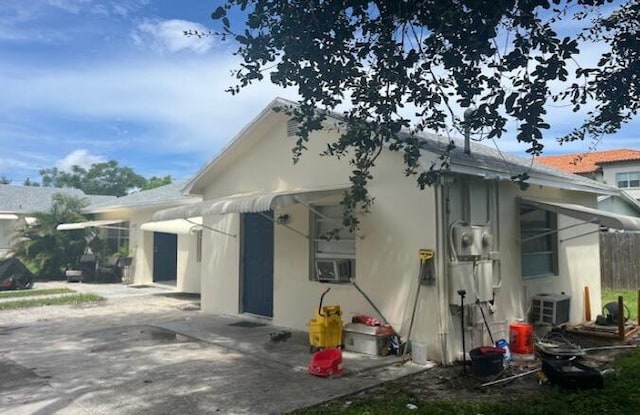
x=590 y=162
x=29 y=199
x=494 y=162
x=166 y=195
x=482 y=159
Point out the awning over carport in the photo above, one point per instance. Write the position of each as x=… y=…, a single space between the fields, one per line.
x=178 y=226
x=88 y=224
x=246 y=203
x=590 y=215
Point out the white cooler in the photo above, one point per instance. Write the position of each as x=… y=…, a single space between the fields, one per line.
x=365 y=339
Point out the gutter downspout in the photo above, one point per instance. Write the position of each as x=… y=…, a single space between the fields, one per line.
x=441 y=281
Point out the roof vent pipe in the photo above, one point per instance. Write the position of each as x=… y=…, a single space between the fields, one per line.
x=468 y=115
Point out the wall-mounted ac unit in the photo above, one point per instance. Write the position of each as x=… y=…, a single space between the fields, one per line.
x=333 y=269
x=551 y=309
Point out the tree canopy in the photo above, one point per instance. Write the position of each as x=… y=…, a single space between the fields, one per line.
x=417 y=65
x=106 y=178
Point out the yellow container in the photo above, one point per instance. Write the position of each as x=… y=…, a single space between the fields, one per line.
x=325 y=330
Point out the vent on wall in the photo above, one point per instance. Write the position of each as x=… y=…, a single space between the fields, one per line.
x=292 y=128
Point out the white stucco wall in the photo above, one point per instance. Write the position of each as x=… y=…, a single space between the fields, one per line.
x=387 y=267
x=609 y=172
x=141 y=249
x=401 y=221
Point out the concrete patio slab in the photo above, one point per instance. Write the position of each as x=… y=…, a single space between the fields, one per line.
x=144 y=353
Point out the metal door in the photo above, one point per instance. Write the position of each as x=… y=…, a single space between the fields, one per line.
x=165 y=256
x=257 y=264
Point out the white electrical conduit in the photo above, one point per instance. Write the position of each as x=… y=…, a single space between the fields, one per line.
x=441 y=281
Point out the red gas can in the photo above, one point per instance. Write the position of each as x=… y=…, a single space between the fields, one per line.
x=521 y=338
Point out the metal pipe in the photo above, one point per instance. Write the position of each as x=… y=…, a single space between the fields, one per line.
x=462 y=293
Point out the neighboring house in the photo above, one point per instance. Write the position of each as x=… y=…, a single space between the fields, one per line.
x=619 y=168
x=162 y=252
x=17 y=203
x=266 y=255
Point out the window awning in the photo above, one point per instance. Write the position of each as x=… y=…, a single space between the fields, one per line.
x=179 y=226
x=88 y=224
x=246 y=203
x=591 y=215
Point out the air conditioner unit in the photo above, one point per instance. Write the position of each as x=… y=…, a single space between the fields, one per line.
x=333 y=269
x=551 y=309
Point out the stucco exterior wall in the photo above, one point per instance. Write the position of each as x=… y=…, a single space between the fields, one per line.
x=609 y=172
x=401 y=222
x=141 y=249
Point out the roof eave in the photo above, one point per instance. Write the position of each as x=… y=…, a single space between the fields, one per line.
x=535 y=178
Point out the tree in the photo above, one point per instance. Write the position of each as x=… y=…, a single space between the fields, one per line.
x=154 y=182
x=46 y=248
x=28 y=182
x=4 y=180
x=101 y=179
x=417 y=65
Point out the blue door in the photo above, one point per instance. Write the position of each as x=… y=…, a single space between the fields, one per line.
x=257 y=264
x=165 y=256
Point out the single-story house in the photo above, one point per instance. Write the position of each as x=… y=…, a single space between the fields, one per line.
x=266 y=254
x=17 y=203
x=166 y=252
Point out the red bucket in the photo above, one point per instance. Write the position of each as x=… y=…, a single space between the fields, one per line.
x=521 y=338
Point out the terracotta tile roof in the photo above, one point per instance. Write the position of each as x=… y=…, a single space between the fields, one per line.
x=590 y=162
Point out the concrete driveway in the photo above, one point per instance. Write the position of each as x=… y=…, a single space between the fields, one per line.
x=146 y=350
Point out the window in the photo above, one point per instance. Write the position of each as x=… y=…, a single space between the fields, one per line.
x=628 y=180
x=118 y=238
x=539 y=242
x=333 y=246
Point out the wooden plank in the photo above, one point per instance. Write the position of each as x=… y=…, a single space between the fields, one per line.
x=621 y=317
x=587 y=304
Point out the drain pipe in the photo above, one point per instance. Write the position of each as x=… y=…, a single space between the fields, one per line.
x=441 y=278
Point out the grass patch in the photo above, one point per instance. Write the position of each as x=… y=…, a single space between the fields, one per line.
x=32 y=293
x=62 y=300
x=620 y=396
x=630 y=298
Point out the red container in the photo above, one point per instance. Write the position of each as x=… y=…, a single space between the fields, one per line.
x=521 y=338
x=326 y=363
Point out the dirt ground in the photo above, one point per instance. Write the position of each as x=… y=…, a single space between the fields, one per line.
x=451 y=383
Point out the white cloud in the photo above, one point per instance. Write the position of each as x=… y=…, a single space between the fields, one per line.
x=80 y=158
x=168 y=36
x=182 y=102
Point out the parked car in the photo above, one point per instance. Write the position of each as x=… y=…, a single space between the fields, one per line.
x=14 y=275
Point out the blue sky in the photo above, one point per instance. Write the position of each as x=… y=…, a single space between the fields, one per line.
x=94 y=80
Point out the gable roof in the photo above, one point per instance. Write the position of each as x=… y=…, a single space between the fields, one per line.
x=163 y=196
x=482 y=161
x=29 y=199
x=589 y=162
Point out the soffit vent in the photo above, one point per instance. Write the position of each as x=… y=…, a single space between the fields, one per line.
x=292 y=128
